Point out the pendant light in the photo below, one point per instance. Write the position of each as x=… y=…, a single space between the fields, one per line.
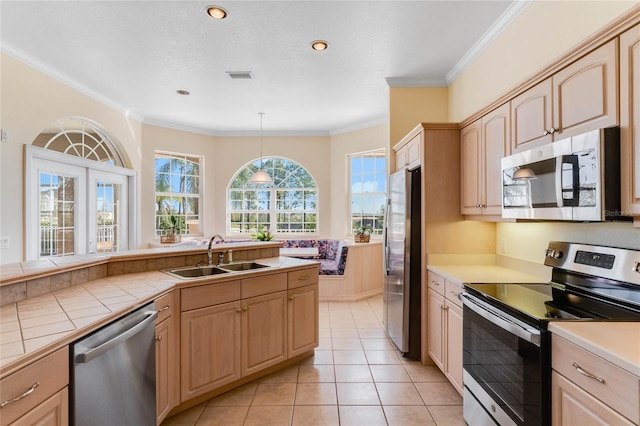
x=261 y=177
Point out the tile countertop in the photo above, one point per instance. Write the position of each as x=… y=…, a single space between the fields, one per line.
x=617 y=342
x=482 y=274
x=37 y=326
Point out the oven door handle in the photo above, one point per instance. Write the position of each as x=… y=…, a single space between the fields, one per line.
x=502 y=320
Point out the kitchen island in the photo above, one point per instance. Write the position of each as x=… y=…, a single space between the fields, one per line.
x=37 y=330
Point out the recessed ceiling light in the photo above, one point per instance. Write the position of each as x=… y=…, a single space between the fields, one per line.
x=216 y=12
x=319 y=45
x=183 y=92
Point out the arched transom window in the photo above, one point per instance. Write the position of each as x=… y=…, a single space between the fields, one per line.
x=79 y=192
x=290 y=206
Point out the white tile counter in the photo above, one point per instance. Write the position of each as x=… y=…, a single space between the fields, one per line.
x=482 y=274
x=617 y=342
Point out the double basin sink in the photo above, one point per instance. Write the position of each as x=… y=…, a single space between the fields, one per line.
x=204 y=271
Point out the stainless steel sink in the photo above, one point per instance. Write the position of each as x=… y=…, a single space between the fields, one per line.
x=242 y=266
x=195 y=271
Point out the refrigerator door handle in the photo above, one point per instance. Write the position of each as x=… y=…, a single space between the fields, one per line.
x=386 y=239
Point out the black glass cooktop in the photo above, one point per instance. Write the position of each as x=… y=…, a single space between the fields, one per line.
x=545 y=302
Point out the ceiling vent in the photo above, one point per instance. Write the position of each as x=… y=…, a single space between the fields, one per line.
x=240 y=75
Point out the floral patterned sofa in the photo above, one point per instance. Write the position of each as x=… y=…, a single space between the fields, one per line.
x=332 y=254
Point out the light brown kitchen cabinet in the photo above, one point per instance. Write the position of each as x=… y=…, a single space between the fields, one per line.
x=532 y=117
x=38 y=393
x=165 y=357
x=580 y=97
x=484 y=143
x=587 y=389
x=264 y=331
x=444 y=344
x=408 y=155
x=630 y=121
x=303 y=332
x=210 y=348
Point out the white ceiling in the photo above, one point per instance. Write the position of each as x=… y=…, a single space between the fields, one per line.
x=134 y=55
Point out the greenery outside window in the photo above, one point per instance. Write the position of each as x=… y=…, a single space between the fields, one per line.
x=368 y=189
x=178 y=178
x=290 y=206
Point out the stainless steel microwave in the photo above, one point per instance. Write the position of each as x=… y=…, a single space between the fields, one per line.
x=576 y=179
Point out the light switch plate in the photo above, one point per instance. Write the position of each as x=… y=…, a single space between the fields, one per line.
x=4 y=243
x=4 y=136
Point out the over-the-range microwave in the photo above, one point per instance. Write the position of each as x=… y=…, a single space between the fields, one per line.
x=576 y=179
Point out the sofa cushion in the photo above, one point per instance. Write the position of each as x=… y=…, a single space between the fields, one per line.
x=332 y=254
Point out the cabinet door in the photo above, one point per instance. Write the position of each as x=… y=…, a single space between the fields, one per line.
x=585 y=94
x=571 y=405
x=210 y=348
x=435 y=324
x=470 y=139
x=401 y=158
x=302 y=320
x=531 y=115
x=264 y=331
x=453 y=369
x=52 y=412
x=630 y=120
x=165 y=366
x=496 y=137
x=413 y=152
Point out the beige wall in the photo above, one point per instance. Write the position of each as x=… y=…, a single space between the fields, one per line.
x=409 y=106
x=542 y=33
x=31 y=102
x=342 y=145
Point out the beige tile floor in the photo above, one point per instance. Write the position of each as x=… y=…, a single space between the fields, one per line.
x=355 y=378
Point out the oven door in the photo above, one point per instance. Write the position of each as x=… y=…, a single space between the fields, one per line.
x=507 y=367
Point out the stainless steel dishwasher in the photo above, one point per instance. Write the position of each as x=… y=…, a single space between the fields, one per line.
x=113 y=373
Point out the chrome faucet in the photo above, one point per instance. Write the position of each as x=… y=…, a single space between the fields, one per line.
x=209 y=254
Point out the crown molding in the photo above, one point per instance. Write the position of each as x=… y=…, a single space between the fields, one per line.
x=507 y=17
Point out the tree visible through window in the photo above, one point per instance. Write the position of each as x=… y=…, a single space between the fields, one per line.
x=289 y=207
x=368 y=187
x=177 y=193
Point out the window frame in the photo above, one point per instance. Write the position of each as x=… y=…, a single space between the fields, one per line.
x=273 y=211
x=32 y=202
x=382 y=153
x=199 y=195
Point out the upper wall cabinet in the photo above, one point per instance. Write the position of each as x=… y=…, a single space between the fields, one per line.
x=408 y=154
x=577 y=99
x=630 y=120
x=483 y=144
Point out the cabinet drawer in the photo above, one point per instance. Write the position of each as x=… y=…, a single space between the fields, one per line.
x=619 y=389
x=209 y=295
x=263 y=285
x=302 y=277
x=452 y=289
x=436 y=283
x=51 y=373
x=164 y=306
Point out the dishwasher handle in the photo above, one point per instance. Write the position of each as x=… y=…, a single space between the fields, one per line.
x=93 y=353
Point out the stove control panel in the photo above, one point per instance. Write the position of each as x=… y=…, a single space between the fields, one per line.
x=599 y=260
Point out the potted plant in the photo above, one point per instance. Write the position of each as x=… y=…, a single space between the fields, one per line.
x=263 y=235
x=363 y=234
x=173 y=228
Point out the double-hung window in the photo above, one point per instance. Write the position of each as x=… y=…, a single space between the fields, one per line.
x=368 y=188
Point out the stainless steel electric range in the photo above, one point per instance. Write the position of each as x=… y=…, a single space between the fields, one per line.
x=506 y=344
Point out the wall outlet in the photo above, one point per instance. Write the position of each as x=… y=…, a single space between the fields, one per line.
x=4 y=243
x=4 y=136
x=503 y=245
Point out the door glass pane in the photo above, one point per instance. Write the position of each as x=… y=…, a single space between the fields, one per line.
x=108 y=198
x=57 y=214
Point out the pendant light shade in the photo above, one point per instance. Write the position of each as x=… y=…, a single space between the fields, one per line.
x=261 y=177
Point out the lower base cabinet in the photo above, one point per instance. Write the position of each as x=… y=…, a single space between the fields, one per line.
x=52 y=412
x=303 y=333
x=165 y=362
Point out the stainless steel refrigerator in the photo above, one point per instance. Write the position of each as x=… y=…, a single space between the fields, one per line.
x=402 y=253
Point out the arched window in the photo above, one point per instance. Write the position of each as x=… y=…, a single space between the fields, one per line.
x=79 y=192
x=290 y=206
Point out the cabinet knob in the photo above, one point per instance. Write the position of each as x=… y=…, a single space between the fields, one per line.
x=292 y=297
x=246 y=308
x=158 y=338
x=636 y=267
x=546 y=132
x=239 y=310
x=304 y=278
x=434 y=282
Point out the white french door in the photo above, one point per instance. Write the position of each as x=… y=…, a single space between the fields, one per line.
x=75 y=206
